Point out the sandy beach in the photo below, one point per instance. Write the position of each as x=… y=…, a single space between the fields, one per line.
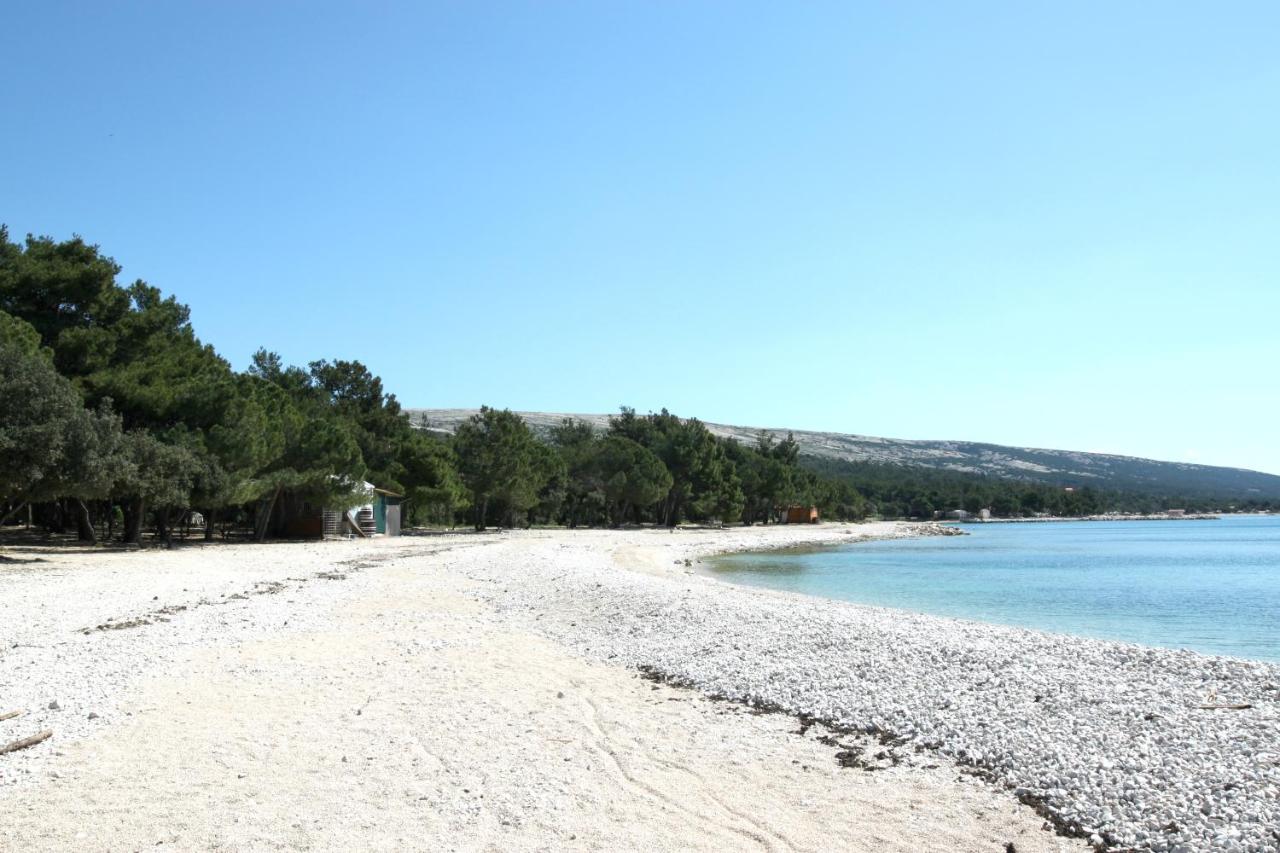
x=576 y=690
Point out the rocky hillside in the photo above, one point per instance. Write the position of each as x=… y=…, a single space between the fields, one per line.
x=1059 y=467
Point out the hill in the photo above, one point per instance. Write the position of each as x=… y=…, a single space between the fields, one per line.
x=1055 y=467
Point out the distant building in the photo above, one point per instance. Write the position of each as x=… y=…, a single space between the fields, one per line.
x=984 y=514
x=800 y=515
x=1175 y=513
x=957 y=515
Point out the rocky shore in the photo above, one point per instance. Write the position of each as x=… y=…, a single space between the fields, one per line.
x=1126 y=746
x=484 y=689
x=394 y=694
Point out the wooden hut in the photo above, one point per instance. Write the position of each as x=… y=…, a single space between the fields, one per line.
x=800 y=515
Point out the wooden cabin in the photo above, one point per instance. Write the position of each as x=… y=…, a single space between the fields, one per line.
x=800 y=515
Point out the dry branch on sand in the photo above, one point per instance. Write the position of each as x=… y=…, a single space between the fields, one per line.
x=23 y=743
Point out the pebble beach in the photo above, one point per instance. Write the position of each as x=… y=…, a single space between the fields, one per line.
x=371 y=692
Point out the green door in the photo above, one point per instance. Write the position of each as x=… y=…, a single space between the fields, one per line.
x=380 y=513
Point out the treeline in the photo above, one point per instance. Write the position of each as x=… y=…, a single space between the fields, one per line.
x=643 y=469
x=898 y=491
x=116 y=419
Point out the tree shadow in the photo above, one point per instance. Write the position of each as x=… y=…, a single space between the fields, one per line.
x=15 y=561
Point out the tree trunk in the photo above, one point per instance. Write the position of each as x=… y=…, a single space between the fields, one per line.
x=209 y=518
x=134 y=509
x=482 y=509
x=84 y=522
x=14 y=511
x=263 y=522
x=166 y=527
x=57 y=518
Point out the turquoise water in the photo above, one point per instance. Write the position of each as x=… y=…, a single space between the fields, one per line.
x=1211 y=586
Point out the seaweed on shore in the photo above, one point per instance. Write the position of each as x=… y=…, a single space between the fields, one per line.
x=847 y=755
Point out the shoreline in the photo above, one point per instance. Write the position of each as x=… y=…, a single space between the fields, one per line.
x=271 y=659
x=375 y=695
x=1060 y=682
x=707 y=567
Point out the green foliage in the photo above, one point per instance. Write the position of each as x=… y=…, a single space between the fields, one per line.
x=497 y=458
x=704 y=484
x=432 y=487
x=768 y=478
x=348 y=391
x=219 y=439
x=50 y=445
x=633 y=477
x=21 y=337
x=662 y=469
x=320 y=459
x=391 y=453
x=112 y=405
x=95 y=458
x=160 y=474
x=537 y=492
x=584 y=500
x=58 y=286
x=40 y=413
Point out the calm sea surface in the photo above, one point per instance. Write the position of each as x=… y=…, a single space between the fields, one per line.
x=1212 y=586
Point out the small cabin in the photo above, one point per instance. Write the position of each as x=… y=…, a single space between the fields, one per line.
x=369 y=511
x=800 y=515
x=386 y=512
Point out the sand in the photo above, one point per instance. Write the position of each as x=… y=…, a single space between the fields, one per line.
x=372 y=696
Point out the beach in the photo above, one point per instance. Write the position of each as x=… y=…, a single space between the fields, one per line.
x=592 y=690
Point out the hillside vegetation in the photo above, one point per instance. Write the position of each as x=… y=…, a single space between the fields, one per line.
x=1028 y=464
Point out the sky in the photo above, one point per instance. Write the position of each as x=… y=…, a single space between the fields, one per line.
x=1040 y=224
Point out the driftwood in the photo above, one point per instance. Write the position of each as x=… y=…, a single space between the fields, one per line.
x=9 y=715
x=1225 y=707
x=23 y=743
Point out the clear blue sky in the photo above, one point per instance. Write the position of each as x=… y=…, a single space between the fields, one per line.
x=1027 y=223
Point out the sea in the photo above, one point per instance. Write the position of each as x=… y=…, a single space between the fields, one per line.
x=1212 y=586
